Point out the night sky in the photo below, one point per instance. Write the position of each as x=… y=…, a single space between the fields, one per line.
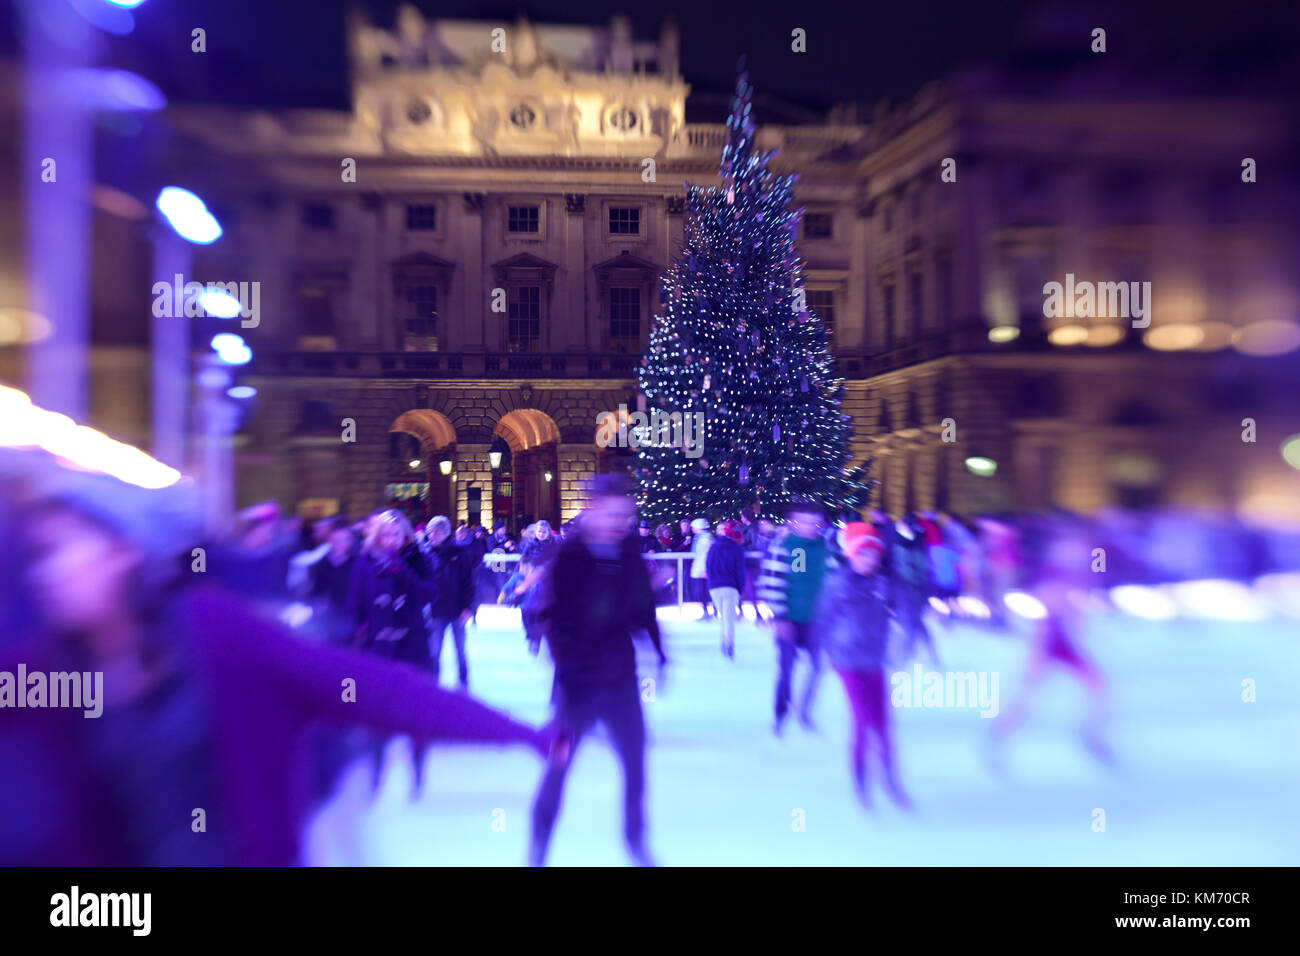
x=290 y=53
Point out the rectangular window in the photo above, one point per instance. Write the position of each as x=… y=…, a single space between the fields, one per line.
x=821 y=302
x=524 y=318
x=944 y=278
x=817 y=225
x=421 y=316
x=887 y=292
x=522 y=219
x=421 y=217
x=914 y=205
x=624 y=319
x=625 y=220
x=1030 y=272
x=916 y=293
x=318 y=217
x=316 y=300
x=889 y=218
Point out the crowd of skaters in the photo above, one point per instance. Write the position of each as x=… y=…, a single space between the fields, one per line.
x=859 y=592
x=103 y=580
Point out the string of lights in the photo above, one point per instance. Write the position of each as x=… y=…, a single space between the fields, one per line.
x=736 y=341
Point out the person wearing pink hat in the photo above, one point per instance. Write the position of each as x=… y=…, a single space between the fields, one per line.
x=853 y=620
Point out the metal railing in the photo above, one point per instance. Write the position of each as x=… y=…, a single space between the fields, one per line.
x=498 y=561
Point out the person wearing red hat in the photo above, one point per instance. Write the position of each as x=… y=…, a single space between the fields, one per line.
x=853 y=620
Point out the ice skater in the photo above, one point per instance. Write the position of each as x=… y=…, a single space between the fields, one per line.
x=596 y=595
x=911 y=586
x=452 y=570
x=793 y=571
x=725 y=569
x=853 y=623
x=1054 y=645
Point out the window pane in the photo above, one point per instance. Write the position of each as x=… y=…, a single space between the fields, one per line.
x=817 y=225
x=524 y=318
x=915 y=294
x=421 y=310
x=821 y=302
x=624 y=319
x=888 y=291
x=318 y=216
x=422 y=217
x=945 y=281
x=625 y=220
x=314 y=298
x=522 y=219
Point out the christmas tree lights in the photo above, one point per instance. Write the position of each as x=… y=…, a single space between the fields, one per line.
x=735 y=341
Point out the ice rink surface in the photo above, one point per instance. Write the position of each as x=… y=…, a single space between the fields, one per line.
x=1200 y=778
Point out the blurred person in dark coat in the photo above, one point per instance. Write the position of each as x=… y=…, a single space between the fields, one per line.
x=597 y=595
x=453 y=596
x=391 y=583
x=198 y=756
x=725 y=573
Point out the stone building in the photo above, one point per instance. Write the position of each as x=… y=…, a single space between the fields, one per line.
x=459 y=274
x=488 y=278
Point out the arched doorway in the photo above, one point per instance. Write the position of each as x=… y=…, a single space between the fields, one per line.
x=417 y=481
x=533 y=440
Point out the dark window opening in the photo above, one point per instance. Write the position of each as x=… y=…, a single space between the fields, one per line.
x=624 y=319
x=818 y=225
x=421 y=318
x=523 y=219
x=318 y=216
x=625 y=220
x=524 y=318
x=421 y=217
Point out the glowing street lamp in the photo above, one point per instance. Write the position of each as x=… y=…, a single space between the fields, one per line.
x=984 y=467
x=231 y=349
x=494 y=459
x=219 y=303
x=187 y=214
x=444 y=466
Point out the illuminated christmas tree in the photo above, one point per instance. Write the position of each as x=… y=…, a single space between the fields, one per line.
x=736 y=347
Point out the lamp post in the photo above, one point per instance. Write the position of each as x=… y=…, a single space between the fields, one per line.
x=62 y=92
x=219 y=417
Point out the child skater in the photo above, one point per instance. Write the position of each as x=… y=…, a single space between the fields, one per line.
x=853 y=622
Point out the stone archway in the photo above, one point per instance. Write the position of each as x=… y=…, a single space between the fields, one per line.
x=433 y=441
x=536 y=479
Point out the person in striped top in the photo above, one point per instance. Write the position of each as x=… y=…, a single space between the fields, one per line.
x=791 y=578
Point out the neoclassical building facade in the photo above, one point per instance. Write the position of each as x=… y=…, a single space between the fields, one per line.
x=463 y=270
